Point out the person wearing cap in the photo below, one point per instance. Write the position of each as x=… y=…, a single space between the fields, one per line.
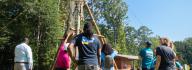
x=147 y=57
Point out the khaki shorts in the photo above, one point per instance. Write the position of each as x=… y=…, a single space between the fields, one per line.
x=21 y=66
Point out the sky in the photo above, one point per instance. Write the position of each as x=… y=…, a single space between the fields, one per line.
x=166 y=18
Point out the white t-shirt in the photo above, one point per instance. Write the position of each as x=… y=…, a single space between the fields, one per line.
x=23 y=53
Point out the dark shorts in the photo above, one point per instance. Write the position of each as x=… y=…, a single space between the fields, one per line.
x=60 y=69
x=168 y=68
x=148 y=69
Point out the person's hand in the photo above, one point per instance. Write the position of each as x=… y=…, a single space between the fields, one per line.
x=72 y=33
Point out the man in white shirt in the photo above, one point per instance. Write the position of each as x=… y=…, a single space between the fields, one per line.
x=23 y=56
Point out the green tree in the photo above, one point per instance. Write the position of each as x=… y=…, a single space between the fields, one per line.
x=111 y=14
x=131 y=36
x=184 y=48
x=155 y=42
x=37 y=19
x=143 y=34
x=181 y=49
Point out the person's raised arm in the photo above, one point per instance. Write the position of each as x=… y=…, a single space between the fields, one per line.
x=71 y=33
x=70 y=51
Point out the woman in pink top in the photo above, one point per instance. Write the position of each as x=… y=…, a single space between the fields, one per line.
x=63 y=59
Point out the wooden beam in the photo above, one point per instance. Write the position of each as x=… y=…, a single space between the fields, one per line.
x=94 y=22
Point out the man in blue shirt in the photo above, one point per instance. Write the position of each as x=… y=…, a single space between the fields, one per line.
x=89 y=49
x=147 y=57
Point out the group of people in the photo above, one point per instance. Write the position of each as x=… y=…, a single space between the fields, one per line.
x=91 y=55
x=161 y=58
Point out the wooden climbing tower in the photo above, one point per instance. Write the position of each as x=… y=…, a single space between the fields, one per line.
x=77 y=8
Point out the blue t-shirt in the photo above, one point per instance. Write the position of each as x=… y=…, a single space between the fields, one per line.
x=88 y=49
x=147 y=58
x=103 y=59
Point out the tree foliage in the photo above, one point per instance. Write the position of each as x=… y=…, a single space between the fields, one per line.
x=37 y=19
x=184 y=49
x=110 y=14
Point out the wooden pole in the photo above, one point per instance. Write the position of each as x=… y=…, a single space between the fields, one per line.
x=103 y=40
x=115 y=65
x=78 y=14
x=55 y=58
x=94 y=22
